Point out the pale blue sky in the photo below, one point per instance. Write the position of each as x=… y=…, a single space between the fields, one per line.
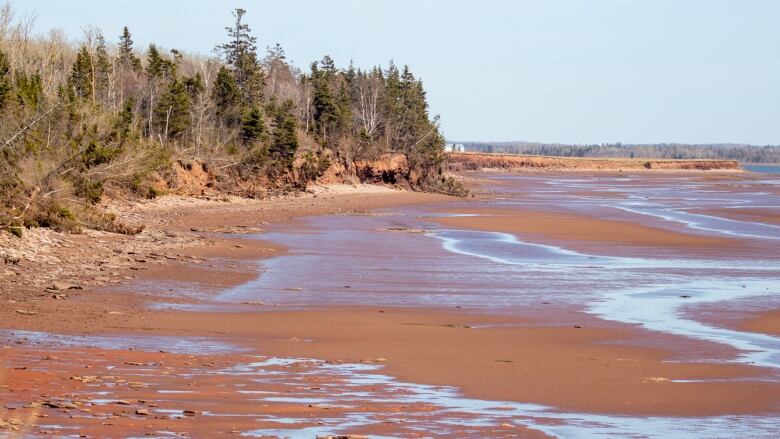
x=692 y=71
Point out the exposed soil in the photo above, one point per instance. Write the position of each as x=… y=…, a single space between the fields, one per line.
x=460 y=161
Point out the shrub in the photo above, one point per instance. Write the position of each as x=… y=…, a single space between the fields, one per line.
x=90 y=190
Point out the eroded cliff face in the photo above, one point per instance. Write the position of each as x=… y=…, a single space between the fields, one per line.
x=196 y=178
x=458 y=161
x=389 y=169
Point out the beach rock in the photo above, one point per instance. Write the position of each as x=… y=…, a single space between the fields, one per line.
x=655 y=380
x=26 y=313
x=59 y=286
x=85 y=379
x=58 y=405
x=142 y=412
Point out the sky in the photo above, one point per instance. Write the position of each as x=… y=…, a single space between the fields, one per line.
x=570 y=71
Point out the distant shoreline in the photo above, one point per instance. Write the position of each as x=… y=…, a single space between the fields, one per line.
x=479 y=160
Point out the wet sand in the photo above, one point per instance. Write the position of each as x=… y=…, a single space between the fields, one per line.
x=564 y=358
x=566 y=226
x=762 y=215
x=765 y=323
x=584 y=369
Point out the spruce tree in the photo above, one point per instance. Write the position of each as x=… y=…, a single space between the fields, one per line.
x=29 y=90
x=285 y=142
x=241 y=40
x=158 y=67
x=102 y=68
x=124 y=121
x=125 y=52
x=227 y=98
x=327 y=116
x=252 y=126
x=240 y=54
x=276 y=53
x=194 y=86
x=172 y=112
x=81 y=74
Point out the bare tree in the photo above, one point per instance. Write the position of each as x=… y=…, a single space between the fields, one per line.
x=366 y=111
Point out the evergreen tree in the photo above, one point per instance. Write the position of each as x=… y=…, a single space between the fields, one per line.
x=226 y=98
x=124 y=121
x=29 y=90
x=102 y=68
x=328 y=66
x=81 y=74
x=240 y=54
x=125 y=52
x=326 y=109
x=343 y=108
x=250 y=78
x=414 y=109
x=194 y=86
x=158 y=67
x=276 y=53
x=252 y=126
x=285 y=142
x=5 y=81
x=241 y=40
x=172 y=112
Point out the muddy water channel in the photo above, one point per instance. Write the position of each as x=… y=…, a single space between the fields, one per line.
x=406 y=258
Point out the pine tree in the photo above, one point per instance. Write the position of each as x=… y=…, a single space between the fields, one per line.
x=226 y=98
x=125 y=52
x=81 y=74
x=252 y=126
x=5 y=81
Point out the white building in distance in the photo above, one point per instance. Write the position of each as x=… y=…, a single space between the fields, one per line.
x=454 y=147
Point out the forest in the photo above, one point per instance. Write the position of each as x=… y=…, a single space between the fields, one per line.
x=743 y=153
x=102 y=116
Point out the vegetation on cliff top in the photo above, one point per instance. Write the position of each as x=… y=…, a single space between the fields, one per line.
x=676 y=151
x=81 y=122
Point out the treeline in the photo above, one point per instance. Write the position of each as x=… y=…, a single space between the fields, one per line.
x=743 y=153
x=76 y=121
